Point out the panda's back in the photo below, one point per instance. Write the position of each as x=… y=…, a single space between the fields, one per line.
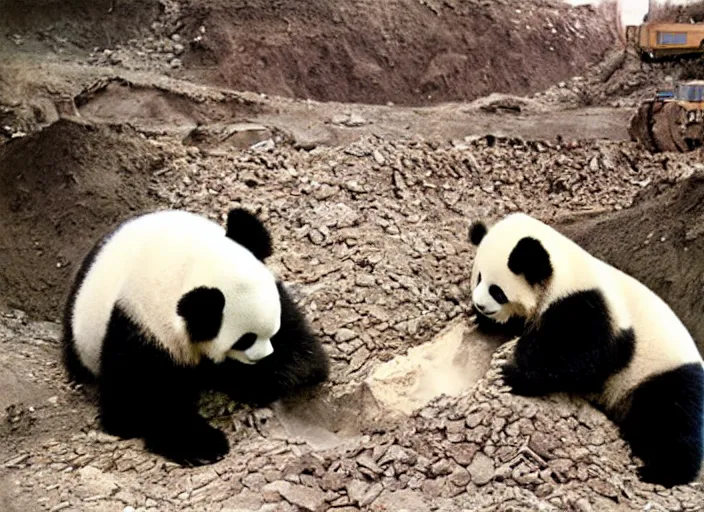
x=140 y=267
x=662 y=342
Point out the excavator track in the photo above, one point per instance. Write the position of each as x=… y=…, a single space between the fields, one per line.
x=662 y=125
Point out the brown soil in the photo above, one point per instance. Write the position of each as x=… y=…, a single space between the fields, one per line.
x=660 y=241
x=59 y=189
x=403 y=51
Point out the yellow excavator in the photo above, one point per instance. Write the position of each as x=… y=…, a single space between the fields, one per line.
x=673 y=120
x=656 y=40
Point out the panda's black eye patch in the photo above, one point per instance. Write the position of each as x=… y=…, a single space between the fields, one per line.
x=498 y=294
x=246 y=341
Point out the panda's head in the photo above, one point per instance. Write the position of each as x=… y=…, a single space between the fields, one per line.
x=232 y=309
x=511 y=268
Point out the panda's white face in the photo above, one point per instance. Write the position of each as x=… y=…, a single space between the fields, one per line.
x=251 y=317
x=488 y=298
x=497 y=293
x=255 y=344
x=508 y=269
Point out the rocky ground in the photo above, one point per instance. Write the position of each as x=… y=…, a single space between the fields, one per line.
x=369 y=207
x=371 y=238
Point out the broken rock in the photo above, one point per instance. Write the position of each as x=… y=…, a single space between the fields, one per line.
x=307 y=498
x=481 y=469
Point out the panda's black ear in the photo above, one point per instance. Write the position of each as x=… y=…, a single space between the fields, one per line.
x=247 y=230
x=202 y=309
x=530 y=258
x=477 y=231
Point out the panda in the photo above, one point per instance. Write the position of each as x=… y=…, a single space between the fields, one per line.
x=170 y=304
x=591 y=329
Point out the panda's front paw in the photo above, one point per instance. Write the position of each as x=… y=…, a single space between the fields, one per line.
x=262 y=395
x=485 y=324
x=211 y=447
x=518 y=381
x=510 y=329
x=510 y=374
x=195 y=443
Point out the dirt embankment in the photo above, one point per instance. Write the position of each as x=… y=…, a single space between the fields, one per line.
x=691 y=11
x=59 y=189
x=400 y=51
x=403 y=51
x=660 y=241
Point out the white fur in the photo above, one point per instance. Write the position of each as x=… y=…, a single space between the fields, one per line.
x=662 y=341
x=150 y=262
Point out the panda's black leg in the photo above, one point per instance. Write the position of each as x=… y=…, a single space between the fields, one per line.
x=170 y=428
x=664 y=425
x=120 y=410
x=188 y=440
x=143 y=393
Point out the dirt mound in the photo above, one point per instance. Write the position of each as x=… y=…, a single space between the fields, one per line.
x=403 y=51
x=59 y=189
x=660 y=241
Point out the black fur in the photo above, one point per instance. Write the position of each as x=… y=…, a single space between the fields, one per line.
x=497 y=294
x=477 y=232
x=664 y=425
x=144 y=393
x=571 y=348
x=246 y=341
x=298 y=362
x=530 y=258
x=510 y=329
x=202 y=309
x=247 y=230
x=74 y=367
